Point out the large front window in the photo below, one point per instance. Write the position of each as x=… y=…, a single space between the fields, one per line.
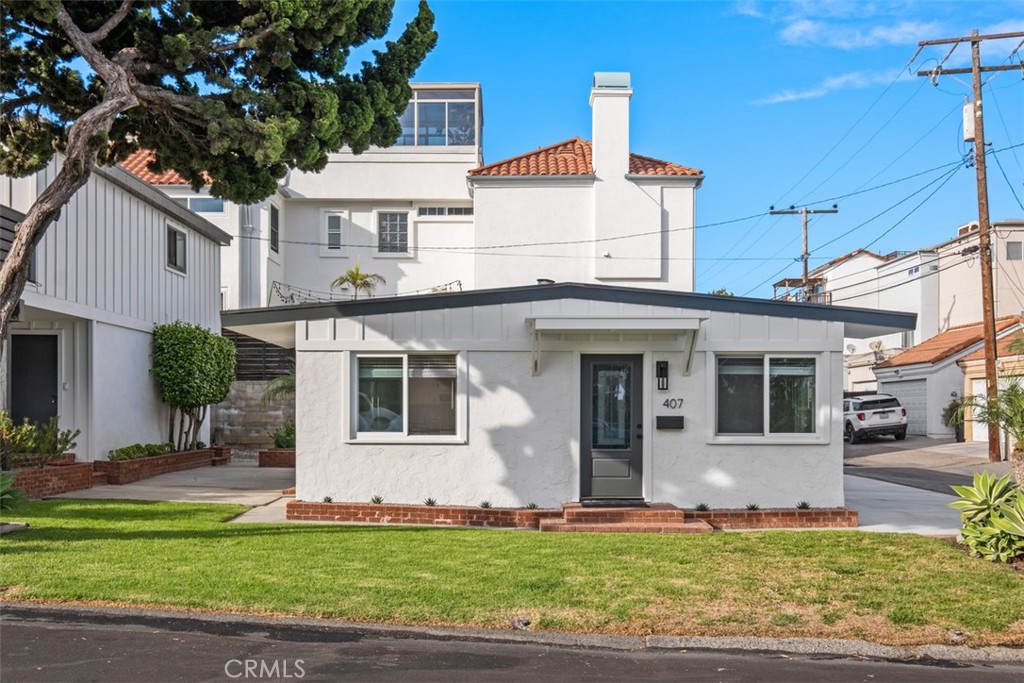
x=437 y=118
x=755 y=391
x=413 y=395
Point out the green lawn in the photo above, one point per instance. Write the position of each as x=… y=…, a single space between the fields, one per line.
x=883 y=587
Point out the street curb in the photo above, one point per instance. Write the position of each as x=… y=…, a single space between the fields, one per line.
x=246 y=624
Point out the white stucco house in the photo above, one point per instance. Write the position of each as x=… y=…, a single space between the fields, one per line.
x=428 y=215
x=121 y=258
x=563 y=392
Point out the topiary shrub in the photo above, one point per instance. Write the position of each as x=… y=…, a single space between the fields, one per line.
x=193 y=368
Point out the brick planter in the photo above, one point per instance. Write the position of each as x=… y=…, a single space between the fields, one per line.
x=221 y=455
x=49 y=481
x=368 y=513
x=277 y=457
x=778 y=518
x=128 y=471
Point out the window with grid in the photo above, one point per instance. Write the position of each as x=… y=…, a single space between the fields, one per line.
x=439 y=118
x=393 y=233
x=413 y=395
x=275 y=229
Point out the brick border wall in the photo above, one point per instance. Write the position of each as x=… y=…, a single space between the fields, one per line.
x=277 y=457
x=49 y=481
x=813 y=518
x=368 y=513
x=128 y=471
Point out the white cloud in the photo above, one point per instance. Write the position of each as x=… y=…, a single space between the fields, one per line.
x=848 y=81
x=846 y=37
x=747 y=8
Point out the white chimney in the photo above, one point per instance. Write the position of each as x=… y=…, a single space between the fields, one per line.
x=609 y=99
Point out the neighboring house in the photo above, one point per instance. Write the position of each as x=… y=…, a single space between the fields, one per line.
x=560 y=392
x=1009 y=368
x=941 y=284
x=428 y=216
x=925 y=377
x=120 y=258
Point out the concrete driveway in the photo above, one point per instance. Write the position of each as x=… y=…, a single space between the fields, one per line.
x=240 y=482
x=904 y=486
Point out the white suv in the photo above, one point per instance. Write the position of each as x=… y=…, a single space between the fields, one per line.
x=873 y=415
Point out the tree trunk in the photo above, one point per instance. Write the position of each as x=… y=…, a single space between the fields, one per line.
x=1017 y=463
x=85 y=136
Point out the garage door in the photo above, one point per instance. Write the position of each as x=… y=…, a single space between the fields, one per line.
x=914 y=397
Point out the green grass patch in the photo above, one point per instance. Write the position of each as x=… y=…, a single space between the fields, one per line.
x=887 y=587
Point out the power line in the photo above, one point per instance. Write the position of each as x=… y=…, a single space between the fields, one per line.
x=1007 y=179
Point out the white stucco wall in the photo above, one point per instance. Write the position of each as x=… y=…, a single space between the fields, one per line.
x=520 y=437
x=126 y=405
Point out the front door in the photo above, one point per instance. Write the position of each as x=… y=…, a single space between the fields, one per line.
x=611 y=433
x=33 y=377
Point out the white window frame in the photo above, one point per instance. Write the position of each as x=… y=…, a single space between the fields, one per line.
x=415 y=101
x=183 y=271
x=346 y=220
x=410 y=237
x=1020 y=247
x=275 y=253
x=822 y=416
x=352 y=394
x=446 y=216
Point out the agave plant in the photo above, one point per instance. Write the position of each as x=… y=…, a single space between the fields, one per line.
x=986 y=496
x=992 y=512
x=1012 y=519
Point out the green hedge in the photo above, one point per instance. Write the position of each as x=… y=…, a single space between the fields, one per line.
x=140 y=450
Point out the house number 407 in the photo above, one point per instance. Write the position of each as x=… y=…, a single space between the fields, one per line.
x=673 y=403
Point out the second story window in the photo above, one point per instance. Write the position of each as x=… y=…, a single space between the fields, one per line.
x=275 y=229
x=1014 y=251
x=175 y=249
x=393 y=233
x=437 y=118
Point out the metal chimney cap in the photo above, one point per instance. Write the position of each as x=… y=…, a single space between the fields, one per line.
x=611 y=79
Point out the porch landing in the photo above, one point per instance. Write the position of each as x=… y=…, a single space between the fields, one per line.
x=653 y=518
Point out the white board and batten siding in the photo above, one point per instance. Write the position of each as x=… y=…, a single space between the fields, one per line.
x=101 y=282
x=105 y=258
x=519 y=438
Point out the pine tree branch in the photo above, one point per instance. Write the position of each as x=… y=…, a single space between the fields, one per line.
x=110 y=24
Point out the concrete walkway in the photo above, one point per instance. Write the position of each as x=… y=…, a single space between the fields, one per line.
x=242 y=483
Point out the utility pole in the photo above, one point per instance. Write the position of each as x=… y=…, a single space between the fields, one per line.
x=984 y=226
x=804 y=211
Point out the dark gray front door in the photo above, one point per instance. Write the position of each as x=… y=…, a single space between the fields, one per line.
x=611 y=433
x=33 y=377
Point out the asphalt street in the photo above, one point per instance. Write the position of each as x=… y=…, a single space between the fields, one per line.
x=51 y=649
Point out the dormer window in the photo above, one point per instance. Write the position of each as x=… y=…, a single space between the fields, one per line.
x=440 y=118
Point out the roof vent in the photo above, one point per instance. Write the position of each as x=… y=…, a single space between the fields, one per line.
x=545 y=281
x=611 y=79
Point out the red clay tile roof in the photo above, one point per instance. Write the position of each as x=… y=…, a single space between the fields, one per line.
x=946 y=344
x=1002 y=349
x=138 y=165
x=574 y=157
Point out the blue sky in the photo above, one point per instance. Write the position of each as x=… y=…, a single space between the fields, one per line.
x=778 y=103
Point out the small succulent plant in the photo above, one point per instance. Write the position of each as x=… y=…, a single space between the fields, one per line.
x=377 y=500
x=430 y=502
